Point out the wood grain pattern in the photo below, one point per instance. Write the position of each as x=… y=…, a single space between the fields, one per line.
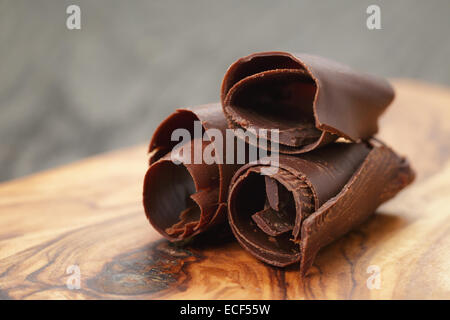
x=90 y=214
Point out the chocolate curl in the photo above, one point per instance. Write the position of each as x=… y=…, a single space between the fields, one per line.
x=185 y=199
x=312 y=200
x=311 y=100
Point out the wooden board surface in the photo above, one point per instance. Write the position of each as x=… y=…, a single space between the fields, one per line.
x=89 y=214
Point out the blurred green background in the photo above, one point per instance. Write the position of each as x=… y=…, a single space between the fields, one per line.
x=67 y=94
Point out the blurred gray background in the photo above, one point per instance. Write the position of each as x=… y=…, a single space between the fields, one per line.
x=67 y=94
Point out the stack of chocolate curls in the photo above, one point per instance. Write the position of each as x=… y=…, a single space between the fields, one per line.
x=331 y=173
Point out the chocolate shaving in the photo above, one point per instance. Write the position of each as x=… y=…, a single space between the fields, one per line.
x=183 y=200
x=326 y=193
x=311 y=100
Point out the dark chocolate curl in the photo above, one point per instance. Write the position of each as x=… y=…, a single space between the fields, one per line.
x=311 y=100
x=322 y=195
x=185 y=199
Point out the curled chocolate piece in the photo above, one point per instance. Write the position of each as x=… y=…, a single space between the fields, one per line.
x=313 y=199
x=185 y=197
x=311 y=100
